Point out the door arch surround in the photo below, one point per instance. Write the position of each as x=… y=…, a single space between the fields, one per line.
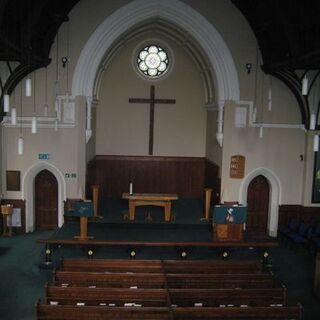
x=275 y=196
x=28 y=192
x=46 y=201
x=258 y=202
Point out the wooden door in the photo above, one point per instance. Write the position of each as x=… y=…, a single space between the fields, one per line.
x=258 y=204
x=46 y=201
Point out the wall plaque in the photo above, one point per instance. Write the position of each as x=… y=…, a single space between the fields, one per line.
x=237 y=165
x=13 y=180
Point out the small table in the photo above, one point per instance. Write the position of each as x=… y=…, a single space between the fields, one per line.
x=150 y=199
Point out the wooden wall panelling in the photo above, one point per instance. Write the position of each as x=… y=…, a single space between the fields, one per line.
x=287 y=212
x=308 y=213
x=182 y=175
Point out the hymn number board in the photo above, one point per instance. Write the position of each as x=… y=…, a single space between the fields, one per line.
x=237 y=166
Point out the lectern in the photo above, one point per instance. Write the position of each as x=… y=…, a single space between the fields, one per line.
x=84 y=210
x=228 y=222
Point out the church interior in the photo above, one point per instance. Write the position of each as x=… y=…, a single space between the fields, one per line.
x=159 y=159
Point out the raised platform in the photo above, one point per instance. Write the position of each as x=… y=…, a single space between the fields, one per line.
x=174 y=244
x=116 y=236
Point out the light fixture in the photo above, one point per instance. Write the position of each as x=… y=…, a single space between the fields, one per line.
x=90 y=253
x=34 y=125
x=312 y=121
x=133 y=254
x=316 y=143
x=6 y=103
x=34 y=118
x=254 y=115
x=13 y=116
x=261 y=132
x=56 y=125
x=28 y=87
x=65 y=64
x=305 y=86
x=20 y=145
x=270 y=95
x=20 y=140
x=225 y=255
x=183 y=255
x=248 y=67
x=64 y=61
x=45 y=106
x=269 y=100
x=48 y=255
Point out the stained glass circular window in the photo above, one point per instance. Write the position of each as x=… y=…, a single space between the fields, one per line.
x=153 y=61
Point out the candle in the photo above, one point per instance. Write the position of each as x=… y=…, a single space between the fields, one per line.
x=131 y=188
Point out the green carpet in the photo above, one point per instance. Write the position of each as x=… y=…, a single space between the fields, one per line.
x=22 y=282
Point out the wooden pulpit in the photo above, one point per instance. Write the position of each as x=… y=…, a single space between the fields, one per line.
x=83 y=210
x=228 y=222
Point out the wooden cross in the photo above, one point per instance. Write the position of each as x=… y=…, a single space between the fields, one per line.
x=152 y=100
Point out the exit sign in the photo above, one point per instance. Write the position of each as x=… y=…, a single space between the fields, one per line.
x=43 y=156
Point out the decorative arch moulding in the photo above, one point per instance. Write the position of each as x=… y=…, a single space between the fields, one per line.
x=176 y=12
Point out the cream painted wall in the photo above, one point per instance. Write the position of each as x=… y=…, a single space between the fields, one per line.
x=66 y=148
x=309 y=167
x=213 y=150
x=123 y=128
x=278 y=151
x=62 y=146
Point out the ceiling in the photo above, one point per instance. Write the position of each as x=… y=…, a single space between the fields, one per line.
x=27 y=32
x=288 y=35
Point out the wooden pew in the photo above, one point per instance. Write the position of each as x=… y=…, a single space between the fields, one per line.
x=214 y=281
x=161 y=297
x=91 y=312
x=108 y=296
x=212 y=266
x=158 y=280
x=256 y=313
x=109 y=280
x=168 y=266
x=153 y=289
x=226 y=297
x=115 y=265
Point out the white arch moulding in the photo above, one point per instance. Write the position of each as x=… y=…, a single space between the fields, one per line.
x=175 y=11
x=28 y=192
x=274 y=200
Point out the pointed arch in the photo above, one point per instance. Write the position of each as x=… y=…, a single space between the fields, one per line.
x=275 y=200
x=28 y=190
x=175 y=11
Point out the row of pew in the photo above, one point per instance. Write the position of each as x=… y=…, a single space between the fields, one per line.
x=168 y=289
x=302 y=232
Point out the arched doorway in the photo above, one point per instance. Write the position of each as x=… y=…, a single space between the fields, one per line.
x=45 y=201
x=258 y=204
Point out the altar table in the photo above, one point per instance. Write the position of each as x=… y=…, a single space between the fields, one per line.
x=150 y=199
